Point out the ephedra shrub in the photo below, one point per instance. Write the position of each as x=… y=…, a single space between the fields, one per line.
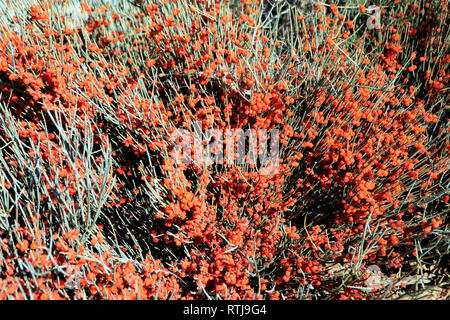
x=94 y=206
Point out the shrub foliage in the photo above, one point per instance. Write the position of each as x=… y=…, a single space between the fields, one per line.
x=93 y=205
